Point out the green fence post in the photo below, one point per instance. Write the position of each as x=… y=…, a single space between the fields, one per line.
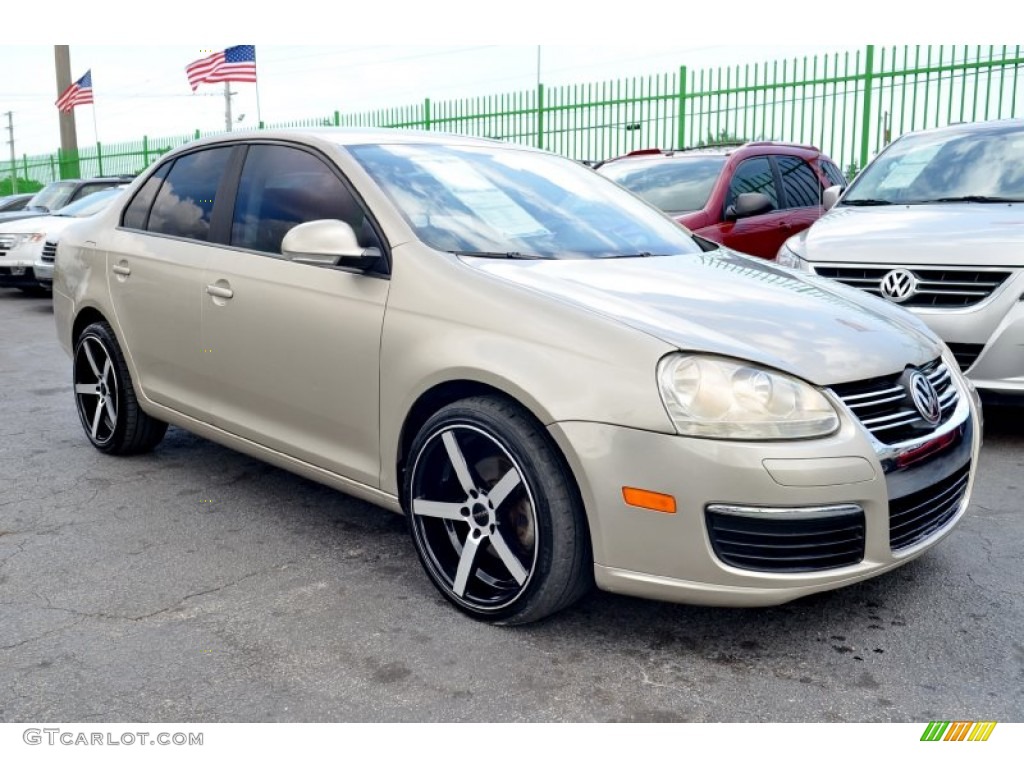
x=337 y=118
x=869 y=62
x=197 y=133
x=145 y=151
x=681 y=143
x=540 y=116
x=426 y=114
x=99 y=158
x=53 y=169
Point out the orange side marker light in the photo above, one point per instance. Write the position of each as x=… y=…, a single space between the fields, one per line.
x=658 y=502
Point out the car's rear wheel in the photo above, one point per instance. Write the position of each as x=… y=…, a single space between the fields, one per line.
x=105 y=396
x=494 y=513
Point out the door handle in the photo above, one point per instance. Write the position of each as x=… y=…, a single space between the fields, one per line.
x=122 y=269
x=219 y=291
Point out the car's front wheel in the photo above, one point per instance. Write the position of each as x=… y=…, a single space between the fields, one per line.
x=494 y=513
x=105 y=396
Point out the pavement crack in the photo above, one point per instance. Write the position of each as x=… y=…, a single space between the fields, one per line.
x=41 y=636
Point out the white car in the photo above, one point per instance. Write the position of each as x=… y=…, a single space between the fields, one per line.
x=27 y=246
x=935 y=224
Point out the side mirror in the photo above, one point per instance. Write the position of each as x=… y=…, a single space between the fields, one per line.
x=831 y=196
x=749 y=204
x=328 y=243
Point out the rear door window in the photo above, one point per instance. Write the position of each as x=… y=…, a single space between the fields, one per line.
x=799 y=182
x=184 y=204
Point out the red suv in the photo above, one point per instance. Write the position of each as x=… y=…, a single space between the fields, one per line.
x=750 y=198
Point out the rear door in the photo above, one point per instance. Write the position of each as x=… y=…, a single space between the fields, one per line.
x=155 y=269
x=801 y=196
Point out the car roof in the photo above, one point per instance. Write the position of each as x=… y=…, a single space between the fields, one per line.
x=353 y=137
x=981 y=126
x=806 y=151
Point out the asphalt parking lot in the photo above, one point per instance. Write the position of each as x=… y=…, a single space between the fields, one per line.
x=197 y=584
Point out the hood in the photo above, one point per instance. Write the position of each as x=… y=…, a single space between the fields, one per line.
x=50 y=225
x=6 y=216
x=948 y=234
x=728 y=304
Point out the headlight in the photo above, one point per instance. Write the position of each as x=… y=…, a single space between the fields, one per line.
x=791 y=254
x=17 y=241
x=716 y=397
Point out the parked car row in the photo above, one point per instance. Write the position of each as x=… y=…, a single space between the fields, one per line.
x=556 y=384
x=28 y=246
x=934 y=224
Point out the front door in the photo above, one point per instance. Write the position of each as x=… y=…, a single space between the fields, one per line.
x=292 y=350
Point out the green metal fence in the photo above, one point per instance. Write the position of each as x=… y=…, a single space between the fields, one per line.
x=848 y=104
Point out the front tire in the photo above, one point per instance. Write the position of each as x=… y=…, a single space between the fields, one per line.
x=105 y=396
x=494 y=513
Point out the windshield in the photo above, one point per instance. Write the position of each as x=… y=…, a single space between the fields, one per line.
x=52 y=196
x=973 y=164
x=676 y=185
x=498 y=201
x=91 y=204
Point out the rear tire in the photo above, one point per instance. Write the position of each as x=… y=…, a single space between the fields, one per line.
x=105 y=396
x=495 y=514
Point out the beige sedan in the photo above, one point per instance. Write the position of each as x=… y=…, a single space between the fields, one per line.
x=552 y=380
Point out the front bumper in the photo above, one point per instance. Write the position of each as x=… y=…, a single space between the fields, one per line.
x=672 y=556
x=19 y=275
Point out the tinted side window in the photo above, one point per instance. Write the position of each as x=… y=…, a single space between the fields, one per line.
x=281 y=187
x=87 y=189
x=803 y=190
x=753 y=175
x=185 y=201
x=137 y=212
x=835 y=176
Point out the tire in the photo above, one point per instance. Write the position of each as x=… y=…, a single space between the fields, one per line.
x=495 y=514
x=105 y=396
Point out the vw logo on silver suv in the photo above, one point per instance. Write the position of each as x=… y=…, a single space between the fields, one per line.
x=899 y=285
x=925 y=398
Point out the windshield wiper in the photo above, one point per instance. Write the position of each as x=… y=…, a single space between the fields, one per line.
x=641 y=255
x=498 y=254
x=866 y=201
x=975 y=199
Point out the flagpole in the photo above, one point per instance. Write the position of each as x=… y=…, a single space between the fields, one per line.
x=259 y=116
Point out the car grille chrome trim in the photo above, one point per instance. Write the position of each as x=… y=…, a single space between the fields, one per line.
x=916 y=517
x=965 y=354
x=6 y=243
x=787 y=540
x=49 y=252
x=884 y=406
x=943 y=287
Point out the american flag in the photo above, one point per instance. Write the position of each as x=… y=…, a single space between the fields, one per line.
x=235 y=64
x=79 y=92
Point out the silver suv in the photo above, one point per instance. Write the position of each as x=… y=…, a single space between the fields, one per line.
x=935 y=224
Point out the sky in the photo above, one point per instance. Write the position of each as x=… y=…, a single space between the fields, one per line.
x=390 y=55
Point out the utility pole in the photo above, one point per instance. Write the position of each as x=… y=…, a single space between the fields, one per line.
x=227 y=106
x=69 y=168
x=14 y=162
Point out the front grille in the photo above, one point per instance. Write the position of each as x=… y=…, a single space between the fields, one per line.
x=787 y=545
x=915 y=517
x=936 y=287
x=965 y=354
x=49 y=252
x=6 y=243
x=884 y=407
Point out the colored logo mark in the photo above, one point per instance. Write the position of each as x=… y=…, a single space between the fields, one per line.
x=958 y=731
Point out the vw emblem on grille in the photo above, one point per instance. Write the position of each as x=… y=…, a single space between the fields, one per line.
x=925 y=398
x=899 y=285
